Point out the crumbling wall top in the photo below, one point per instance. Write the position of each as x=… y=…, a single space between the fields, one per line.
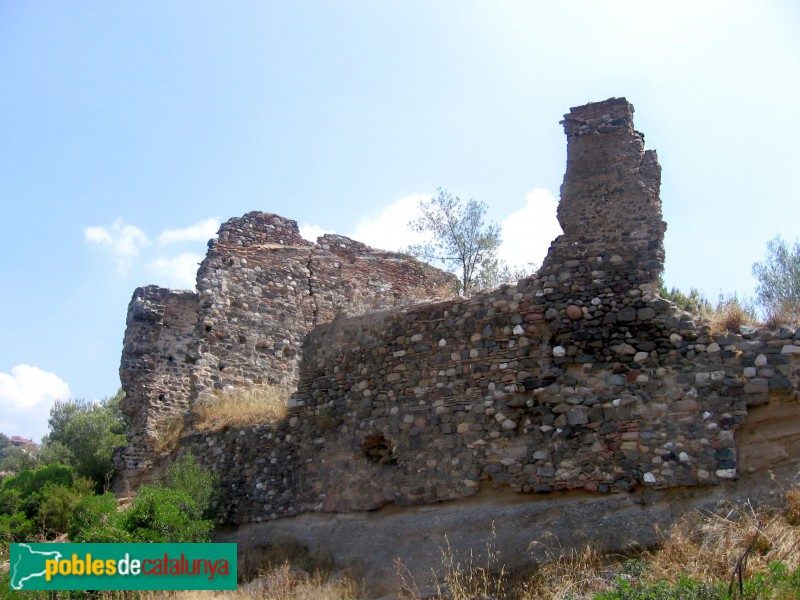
x=259 y=228
x=610 y=115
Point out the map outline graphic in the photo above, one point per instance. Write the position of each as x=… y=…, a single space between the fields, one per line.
x=17 y=585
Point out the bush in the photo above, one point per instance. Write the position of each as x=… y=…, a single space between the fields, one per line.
x=16 y=528
x=170 y=512
x=59 y=502
x=685 y=589
x=164 y=514
x=97 y=519
x=728 y=314
x=23 y=491
x=694 y=302
x=186 y=475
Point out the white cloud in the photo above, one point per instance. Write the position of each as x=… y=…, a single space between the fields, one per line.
x=312 y=232
x=202 y=231
x=124 y=242
x=26 y=396
x=177 y=272
x=389 y=229
x=528 y=232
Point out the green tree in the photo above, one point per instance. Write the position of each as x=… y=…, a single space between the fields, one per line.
x=778 y=289
x=460 y=239
x=85 y=434
x=16 y=459
x=5 y=444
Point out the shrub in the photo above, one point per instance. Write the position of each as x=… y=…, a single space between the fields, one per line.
x=694 y=302
x=169 y=512
x=58 y=503
x=23 y=491
x=728 y=314
x=97 y=519
x=685 y=589
x=16 y=528
x=782 y=314
x=187 y=476
x=163 y=514
x=731 y=313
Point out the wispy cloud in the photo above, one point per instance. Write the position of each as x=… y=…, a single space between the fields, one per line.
x=201 y=231
x=124 y=242
x=26 y=395
x=177 y=271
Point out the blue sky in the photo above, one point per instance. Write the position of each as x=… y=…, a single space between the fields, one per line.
x=130 y=129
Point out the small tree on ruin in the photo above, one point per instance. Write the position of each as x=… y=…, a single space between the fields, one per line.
x=778 y=289
x=460 y=239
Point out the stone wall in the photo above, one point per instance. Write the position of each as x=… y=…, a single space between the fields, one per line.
x=156 y=366
x=578 y=379
x=260 y=289
x=459 y=401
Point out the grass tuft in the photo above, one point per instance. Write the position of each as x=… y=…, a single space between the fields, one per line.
x=168 y=434
x=243 y=406
x=782 y=314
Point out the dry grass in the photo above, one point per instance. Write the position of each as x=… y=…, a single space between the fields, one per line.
x=283 y=582
x=713 y=547
x=480 y=577
x=784 y=314
x=716 y=546
x=168 y=434
x=730 y=316
x=263 y=404
x=477 y=578
x=571 y=574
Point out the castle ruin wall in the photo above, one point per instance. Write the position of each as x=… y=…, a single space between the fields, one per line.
x=579 y=378
x=156 y=367
x=260 y=289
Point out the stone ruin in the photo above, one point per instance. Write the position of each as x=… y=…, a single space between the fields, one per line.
x=260 y=290
x=576 y=396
